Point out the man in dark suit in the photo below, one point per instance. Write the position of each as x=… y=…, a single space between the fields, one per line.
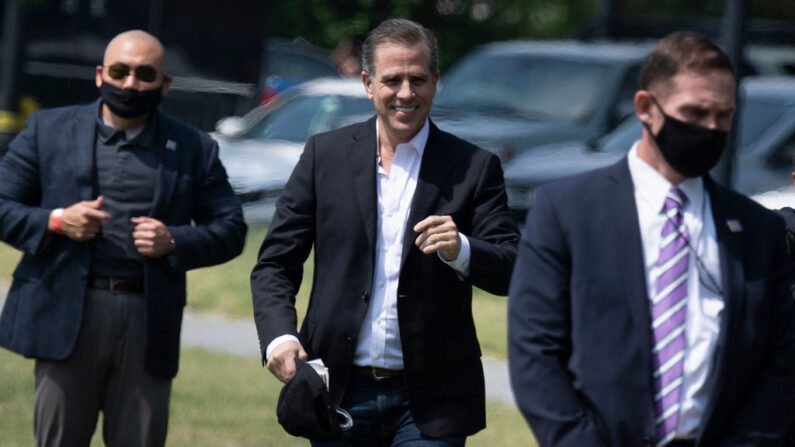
x=100 y=199
x=649 y=305
x=404 y=219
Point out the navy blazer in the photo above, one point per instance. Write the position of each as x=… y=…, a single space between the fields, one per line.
x=579 y=325
x=330 y=201
x=51 y=164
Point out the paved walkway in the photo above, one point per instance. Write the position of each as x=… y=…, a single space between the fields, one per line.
x=239 y=337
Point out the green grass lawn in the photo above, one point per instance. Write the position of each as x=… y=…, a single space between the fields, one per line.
x=217 y=400
x=9 y=258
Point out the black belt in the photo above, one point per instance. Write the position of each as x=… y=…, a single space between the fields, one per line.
x=375 y=373
x=135 y=285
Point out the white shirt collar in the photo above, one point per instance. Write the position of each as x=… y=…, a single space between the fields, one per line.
x=652 y=187
x=418 y=142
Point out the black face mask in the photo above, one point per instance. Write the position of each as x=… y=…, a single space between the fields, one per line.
x=690 y=149
x=130 y=103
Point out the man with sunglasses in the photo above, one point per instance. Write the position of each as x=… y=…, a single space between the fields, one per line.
x=649 y=305
x=111 y=203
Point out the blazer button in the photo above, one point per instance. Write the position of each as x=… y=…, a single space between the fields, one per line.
x=648 y=441
x=365 y=296
x=349 y=340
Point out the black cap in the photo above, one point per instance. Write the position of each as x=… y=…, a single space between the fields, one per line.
x=305 y=407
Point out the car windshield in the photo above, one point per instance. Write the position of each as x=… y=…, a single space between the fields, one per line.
x=528 y=86
x=756 y=116
x=302 y=116
x=622 y=138
x=298 y=66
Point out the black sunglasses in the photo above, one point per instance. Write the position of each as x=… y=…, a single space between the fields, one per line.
x=145 y=73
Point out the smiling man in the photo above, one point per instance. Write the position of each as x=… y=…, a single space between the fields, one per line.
x=111 y=203
x=404 y=219
x=650 y=305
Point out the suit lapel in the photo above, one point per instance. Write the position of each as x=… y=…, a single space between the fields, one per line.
x=361 y=154
x=626 y=233
x=85 y=138
x=437 y=164
x=732 y=280
x=169 y=152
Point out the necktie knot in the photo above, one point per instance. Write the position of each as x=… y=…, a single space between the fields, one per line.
x=675 y=199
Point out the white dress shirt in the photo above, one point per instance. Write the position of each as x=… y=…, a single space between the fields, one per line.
x=378 y=343
x=379 y=337
x=704 y=302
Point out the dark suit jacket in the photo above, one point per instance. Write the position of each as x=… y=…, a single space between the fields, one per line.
x=50 y=164
x=579 y=329
x=330 y=201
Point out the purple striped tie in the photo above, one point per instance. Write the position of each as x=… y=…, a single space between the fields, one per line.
x=668 y=312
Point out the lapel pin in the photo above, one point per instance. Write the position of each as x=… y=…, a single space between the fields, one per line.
x=171 y=145
x=734 y=225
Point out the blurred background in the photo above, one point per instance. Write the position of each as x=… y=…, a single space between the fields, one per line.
x=539 y=82
x=545 y=84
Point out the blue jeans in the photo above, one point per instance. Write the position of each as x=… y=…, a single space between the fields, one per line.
x=382 y=418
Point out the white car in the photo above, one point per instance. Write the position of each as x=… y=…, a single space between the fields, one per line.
x=260 y=149
x=777 y=199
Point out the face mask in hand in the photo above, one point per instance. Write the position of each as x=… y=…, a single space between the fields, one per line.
x=689 y=149
x=130 y=103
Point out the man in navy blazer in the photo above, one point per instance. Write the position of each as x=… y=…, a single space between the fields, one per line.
x=649 y=305
x=404 y=219
x=100 y=199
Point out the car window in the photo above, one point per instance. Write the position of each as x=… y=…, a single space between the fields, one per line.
x=533 y=87
x=756 y=116
x=297 y=119
x=298 y=66
x=625 y=105
x=623 y=137
x=782 y=155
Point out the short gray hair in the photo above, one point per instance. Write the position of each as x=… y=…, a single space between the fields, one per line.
x=402 y=32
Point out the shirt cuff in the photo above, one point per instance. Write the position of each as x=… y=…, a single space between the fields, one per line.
x=277 y=341
x=461 y=264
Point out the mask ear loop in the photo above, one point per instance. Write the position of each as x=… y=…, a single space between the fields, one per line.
x=665 y=117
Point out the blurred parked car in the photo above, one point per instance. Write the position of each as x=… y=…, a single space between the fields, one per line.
x=778 y=198
x=765 y=145
x=510 y=96
x=776 y=60
x=287 y=63
x=260 y=149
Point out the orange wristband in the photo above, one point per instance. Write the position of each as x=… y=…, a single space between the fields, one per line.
x=56 y=220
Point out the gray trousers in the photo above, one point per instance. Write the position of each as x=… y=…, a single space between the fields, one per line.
x=104 y=373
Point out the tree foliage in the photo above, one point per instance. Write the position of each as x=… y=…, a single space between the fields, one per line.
x=458 y=24
x=462 y=24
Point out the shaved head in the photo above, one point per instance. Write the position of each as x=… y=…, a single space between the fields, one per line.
x=134 y=60
x=134 y=48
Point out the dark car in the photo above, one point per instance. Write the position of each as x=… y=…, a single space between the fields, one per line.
x=287 y=63
x=766 y=142
x=510 y=96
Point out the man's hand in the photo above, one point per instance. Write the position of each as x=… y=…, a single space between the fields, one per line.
x=81 y=221
x=152 y=238
x=438 y=233
x=281 y=363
